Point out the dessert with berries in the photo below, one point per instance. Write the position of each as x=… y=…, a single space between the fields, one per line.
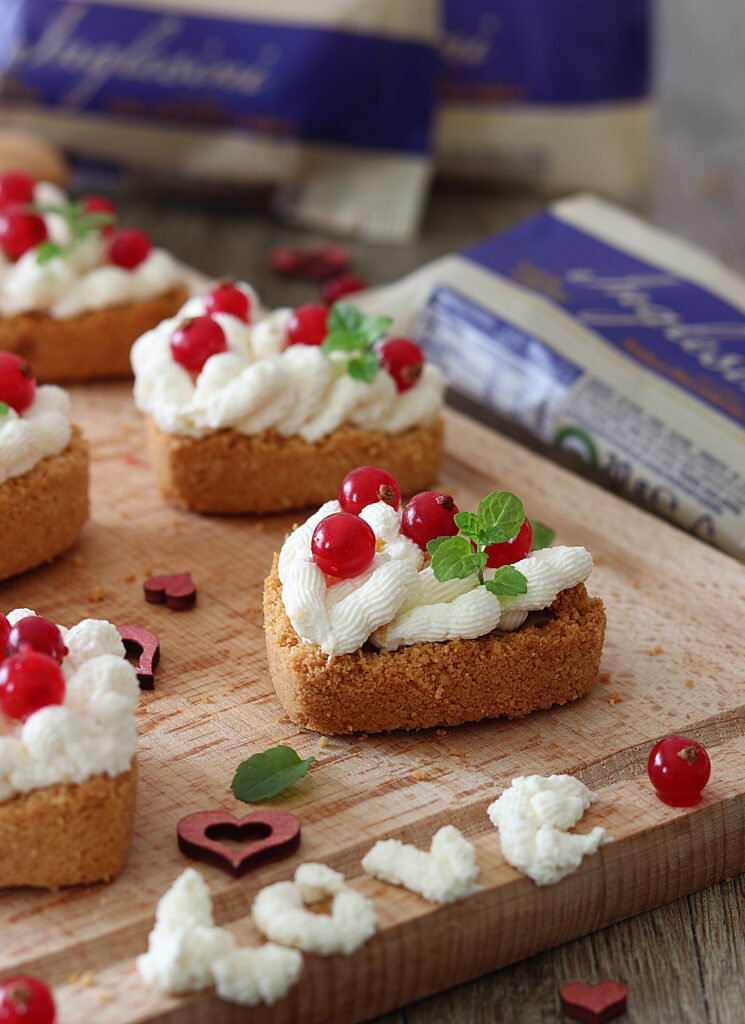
x=379 y=617
x=43 y=470
x=253 y=413
x=76 y=289
x=67 y=751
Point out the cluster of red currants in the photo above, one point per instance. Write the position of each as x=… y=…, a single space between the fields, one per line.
x=21 y=228
x=195 y=340
x=30 y=675
x=343 y=545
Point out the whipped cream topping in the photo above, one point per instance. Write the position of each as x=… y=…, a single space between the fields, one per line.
x=397 y=601
x=42 y=430
x=188 y=953
x=83 y=279
x=534 y=817
x=447 y=872
x=279 y=911
x=260 y=382
x=91 y=733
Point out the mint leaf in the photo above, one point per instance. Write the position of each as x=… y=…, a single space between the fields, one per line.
x=543 y=535
x=433 y=545
x=343 y=316
x=264 y=775
x=343 y=341
x=469 y=525
x=47 y=251
x=94 y=221
x=374 y=327
x=4 y=408
x=501 y=514
x=455 y=559
x=364 y=367
x=507 y=582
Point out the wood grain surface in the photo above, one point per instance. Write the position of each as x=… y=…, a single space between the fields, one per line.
x=673 y=661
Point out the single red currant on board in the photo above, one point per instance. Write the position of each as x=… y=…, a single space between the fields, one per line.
x=307 y=325
x=226 y=298
x=20 y=231
x=129 y=247
x=5 y=629
x=29 y=681
x=40 y=635
x=366 y=485
x=25 y=1000
x=679 y=769
x=342 y=545
x=403 y=359
x=344 y=284
x=17 y=384
x=511 y=551
x=427 y=515
x=314 y=262
x=16 y=187
x=195 y=341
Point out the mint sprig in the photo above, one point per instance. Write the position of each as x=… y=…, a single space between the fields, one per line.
x=4 y=408
x=354 y=334
x=497 y=519
x=264 y=775
x=543 y=535
x=81 y=225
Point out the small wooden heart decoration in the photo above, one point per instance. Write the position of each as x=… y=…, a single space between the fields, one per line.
x=268 y=835
x=177 y=590
x=140 y=642
x=593 y=1004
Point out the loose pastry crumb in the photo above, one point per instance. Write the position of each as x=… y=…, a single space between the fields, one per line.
x=97 y=594
x=615 y=698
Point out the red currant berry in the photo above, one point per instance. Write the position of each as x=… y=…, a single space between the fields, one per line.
x=25 y=1000
x=678 y=769
x=20 y=231
x=5 y=628
x=129 y=247
x=366 y=485
x=99 y=204
x=511 y=551
x=196 y=340
x=403 y=359
x=16 y=187
x=226 y=298
x=40 y=634
x=427 y=515
x=307 y=325
x=343 y=545
x=17 y=384
x=344 y=284
x=29 y=681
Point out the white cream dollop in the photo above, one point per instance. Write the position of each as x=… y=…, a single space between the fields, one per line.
x=40 y=431
x=188 y=953
x=398 y=601
x=534 y=817
x=91 y=733
x=447 y=872
x=261 y=382
x=82 y=279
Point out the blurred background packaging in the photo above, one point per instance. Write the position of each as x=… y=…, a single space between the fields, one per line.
x=340 y=106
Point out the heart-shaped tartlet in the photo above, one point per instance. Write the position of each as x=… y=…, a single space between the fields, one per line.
x=593 y=1004
x=266 y=835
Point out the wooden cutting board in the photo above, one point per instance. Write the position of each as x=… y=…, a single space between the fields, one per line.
x=674 y=661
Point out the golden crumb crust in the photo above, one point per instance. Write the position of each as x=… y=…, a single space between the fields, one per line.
x=90 y=346
x=232 y=473
x=43 y=511
x=552 y=659
x=68 y=834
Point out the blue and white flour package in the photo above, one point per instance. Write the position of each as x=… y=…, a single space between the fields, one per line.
x=332 y=100
x=548 y=95
x=602 y=334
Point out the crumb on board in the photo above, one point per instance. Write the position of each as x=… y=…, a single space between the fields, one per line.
x=689 y=683
x=441 y=732
x=653 y=651
x=128 y=577
x=635 y=584
x=456 y=752
x=141 y=710
x=86 y=979
x=103 y=995
x=148 y=570
x=73 y=979
x=615 y=698
x=604 y=677
x=125 y=428
x=97 y=594
x=420 y=774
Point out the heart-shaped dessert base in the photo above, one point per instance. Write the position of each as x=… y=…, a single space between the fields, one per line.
x=593 y=1004
x=265 y=835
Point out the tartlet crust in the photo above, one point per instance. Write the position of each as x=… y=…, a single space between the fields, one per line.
x=68 y=834
x=552 y=659
x=231 y=473
x=91 y=346
x=42 y=511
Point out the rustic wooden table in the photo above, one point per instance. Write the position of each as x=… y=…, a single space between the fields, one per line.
x=680 y=962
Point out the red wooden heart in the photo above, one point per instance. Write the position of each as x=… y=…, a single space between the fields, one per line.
x=269 y=835
x=593 y=1004
x=140 y=641
x=177 y=590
